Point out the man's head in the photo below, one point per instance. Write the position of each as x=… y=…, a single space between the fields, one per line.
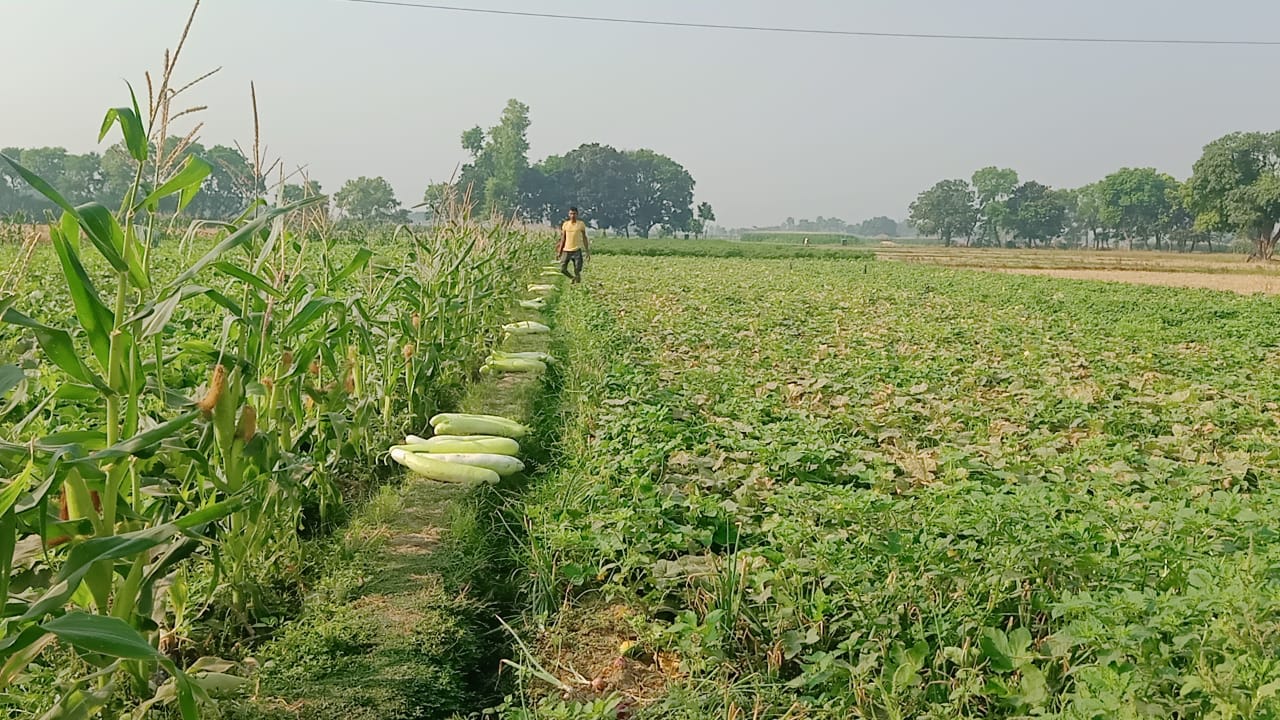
x=573 y=214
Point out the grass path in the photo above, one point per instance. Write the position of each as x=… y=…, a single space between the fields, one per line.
x=402 y=625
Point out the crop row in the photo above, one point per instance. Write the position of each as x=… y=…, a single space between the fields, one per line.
x=184 y=411
x=923 y=492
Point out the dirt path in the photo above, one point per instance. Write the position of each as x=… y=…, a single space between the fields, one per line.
x=1237 y=283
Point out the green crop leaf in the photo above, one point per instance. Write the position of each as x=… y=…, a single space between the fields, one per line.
x=106 y=235
x=135 y=135
x=94 y=316
x=144 y=440
x=995 y=646
x=236 y=239
x=10 y=377
x=355 y=265
x=103 y=635
x=256 y=281
x=185 y=183
x=58 y=347
x=309 y=311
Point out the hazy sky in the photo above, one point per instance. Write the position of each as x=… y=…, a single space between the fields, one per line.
x=769 y=125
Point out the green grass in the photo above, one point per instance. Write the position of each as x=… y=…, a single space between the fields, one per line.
x=921 y=492
x=718 y=249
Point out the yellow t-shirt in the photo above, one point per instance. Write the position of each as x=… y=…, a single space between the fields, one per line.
x=575 y=235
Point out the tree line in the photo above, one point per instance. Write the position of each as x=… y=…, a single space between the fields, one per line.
x=871 y=227
x=1234 y=190
x=626 y=191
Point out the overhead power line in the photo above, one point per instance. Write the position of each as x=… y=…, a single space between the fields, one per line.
x=819 y=31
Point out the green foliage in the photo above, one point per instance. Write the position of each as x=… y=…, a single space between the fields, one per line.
x=859 y=498
x=370 y=200
x=180 y=413
x=500 y=160
x=1138 y=203
x=1235 y=186
x=616 y=190
x=877 y=226
x=945 y=210
x=993 y=187
x=1036 y=213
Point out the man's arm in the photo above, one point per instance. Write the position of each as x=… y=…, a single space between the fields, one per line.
x=586 y=244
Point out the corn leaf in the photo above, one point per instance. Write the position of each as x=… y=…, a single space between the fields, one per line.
x=94 y=316
x=58 y=346
x=185 y=183
x=103 y=635
x=135 y=136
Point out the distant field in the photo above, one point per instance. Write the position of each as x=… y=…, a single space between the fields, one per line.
x=721 y=248
x=1213 y=271
x=1075 y=259
x=797 y=238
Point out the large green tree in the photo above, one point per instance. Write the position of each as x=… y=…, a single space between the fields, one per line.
x=1037 y=213
x=993 y=187
x=945 y=210
x=1235 y=187
x=500 y=160
x=663 y=192
x=371 y=200
x=1137 y=203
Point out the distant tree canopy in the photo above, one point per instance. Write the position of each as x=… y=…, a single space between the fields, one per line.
x=624 y=191
x=1234 y=189
x=877 y=226
x=946 y=210
x=106 y=177
x=872 y=227
x=371 y=200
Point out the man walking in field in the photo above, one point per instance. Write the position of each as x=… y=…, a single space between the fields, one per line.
x=573 y=245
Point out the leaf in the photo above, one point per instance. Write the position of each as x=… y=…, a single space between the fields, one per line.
x=135 y=136
x=1033 y=689
x=91 y=311
x=144 y=440
x=83 y=556
x=995 y=647
x=105 y=233
x=39 y=184
x=356 y=264
x=236 y=239
x=12 y=491
x=259 y=283
x=307 y=313
x=186 y=182
x=10 y=377
x=103 y=635
x=58 y=347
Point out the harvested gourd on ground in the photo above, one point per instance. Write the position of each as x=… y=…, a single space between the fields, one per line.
x=462 y=444
x=469 y=424
x=504 y=465
x=526 y=355
x=551 y=273
x=434 y=468
x=535 y=304
x=512 y=365
x=542 y=288
x=526 y=327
